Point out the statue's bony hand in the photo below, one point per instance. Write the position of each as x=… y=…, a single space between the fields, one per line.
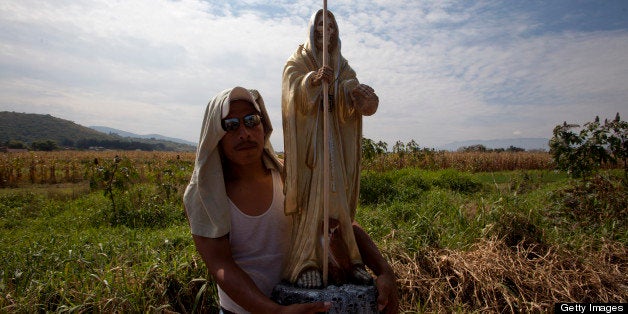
x=360 y=275
x=364 y=99
x=324 y=74
x=310 y=279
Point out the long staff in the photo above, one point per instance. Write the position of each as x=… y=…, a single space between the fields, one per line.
x=326 y=168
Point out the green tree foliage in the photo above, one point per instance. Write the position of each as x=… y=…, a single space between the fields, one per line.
x=399 y=148
x=370 y=149
x=473 y=148
x=16 y=145
x=381 y=147
x=45 y=145
x=479 y=148
x=617 y=131
x=514 y=149
x=584 y=152
x=413 y=147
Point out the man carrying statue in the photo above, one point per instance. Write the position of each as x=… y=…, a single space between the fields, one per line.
x=234 y=201
x=304 y=77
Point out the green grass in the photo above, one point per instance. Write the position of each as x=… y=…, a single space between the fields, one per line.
x=65 y=255
x=452 y=209
x=59 y=191
x=79 y=254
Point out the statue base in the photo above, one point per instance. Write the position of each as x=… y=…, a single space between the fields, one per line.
x=347 y=298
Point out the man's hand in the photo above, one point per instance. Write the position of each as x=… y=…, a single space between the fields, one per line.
x=364 y=99
x=325 y=73
x=387 y=300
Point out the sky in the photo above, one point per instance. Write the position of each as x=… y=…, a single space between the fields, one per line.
x=444 y=71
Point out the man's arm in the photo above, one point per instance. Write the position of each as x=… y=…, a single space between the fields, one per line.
x=388 y=300
x=216 y=254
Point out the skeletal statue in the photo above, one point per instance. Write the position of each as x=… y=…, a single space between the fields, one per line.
x=302 y=111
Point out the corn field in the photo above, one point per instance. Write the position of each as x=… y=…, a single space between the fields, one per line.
x=462 y=161
x=28 y=168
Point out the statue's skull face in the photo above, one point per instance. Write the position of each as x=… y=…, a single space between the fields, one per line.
x=331 y=32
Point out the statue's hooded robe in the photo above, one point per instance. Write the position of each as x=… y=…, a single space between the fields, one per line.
x=205 y=199
x=302 y=110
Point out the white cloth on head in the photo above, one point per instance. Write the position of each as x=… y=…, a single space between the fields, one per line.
x=205 y=199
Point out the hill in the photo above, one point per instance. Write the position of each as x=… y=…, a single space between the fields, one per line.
x=108 y=130
x=525 y=143
x=29 y=128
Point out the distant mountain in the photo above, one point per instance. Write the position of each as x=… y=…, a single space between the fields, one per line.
x=525 y=143
x=108 y=130
x=29 y=128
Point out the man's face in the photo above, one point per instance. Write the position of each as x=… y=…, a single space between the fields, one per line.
x=244 y=145
x=331 y=32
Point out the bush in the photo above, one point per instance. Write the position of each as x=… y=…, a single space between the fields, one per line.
x=410 y=185
x=397 y=185
x=44 y=145
x=583 y=153
x=16 y=144
x=594 y=201
x=376 y=188
x=458 y=181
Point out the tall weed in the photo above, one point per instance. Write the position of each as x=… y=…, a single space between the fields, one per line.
x=596 y=206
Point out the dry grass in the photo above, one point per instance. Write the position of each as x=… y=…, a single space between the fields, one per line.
x=495 y=277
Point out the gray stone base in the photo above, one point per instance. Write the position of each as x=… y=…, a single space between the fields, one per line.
x=347 y=298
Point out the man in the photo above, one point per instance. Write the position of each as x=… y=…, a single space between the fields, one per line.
x=234 y=204
x=302 y=107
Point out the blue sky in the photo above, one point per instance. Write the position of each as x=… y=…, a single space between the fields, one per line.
x=444 y=71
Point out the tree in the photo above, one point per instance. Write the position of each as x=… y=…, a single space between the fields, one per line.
x=617 y=131
x=368 y=148
x=67 y=142
x=473 y=148
x=412 y=147
x=584 y=152
x=45 y=145
x=514 y=149
x=16 y=144
x=399 y=148
x=381 y=147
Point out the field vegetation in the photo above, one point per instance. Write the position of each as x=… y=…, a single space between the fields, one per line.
x=464 y=231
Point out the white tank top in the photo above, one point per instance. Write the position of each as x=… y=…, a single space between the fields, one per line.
x=259 y=243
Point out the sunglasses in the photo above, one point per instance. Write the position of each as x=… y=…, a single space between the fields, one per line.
x=250 y=121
